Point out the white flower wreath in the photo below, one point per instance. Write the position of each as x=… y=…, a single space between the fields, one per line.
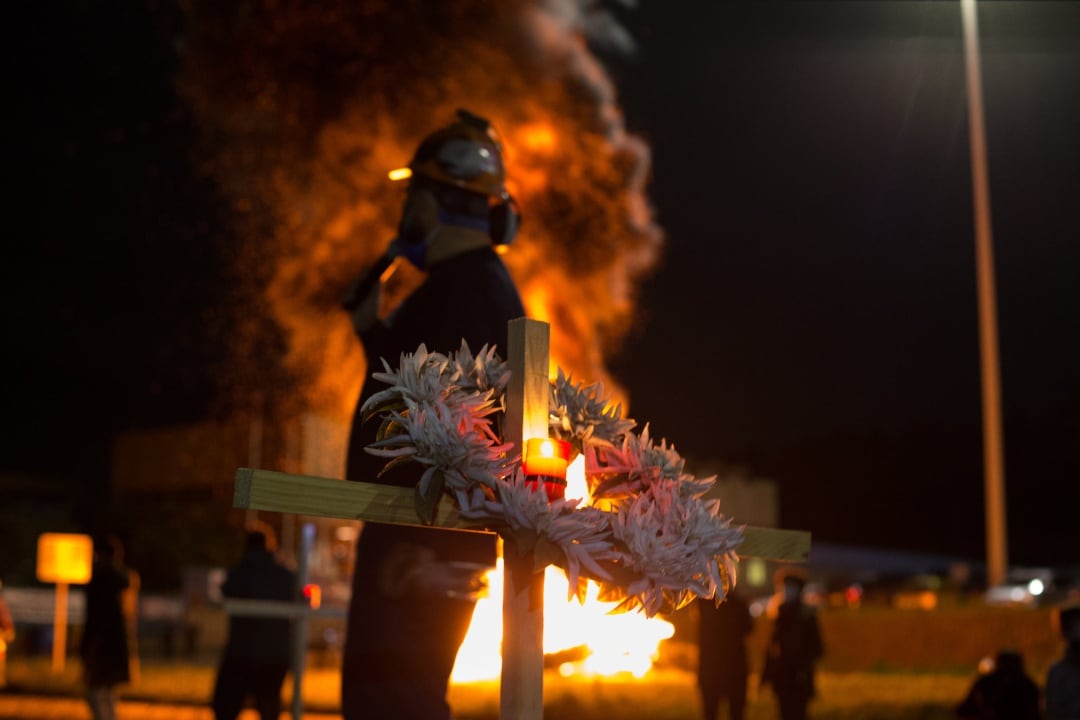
x=649 y=540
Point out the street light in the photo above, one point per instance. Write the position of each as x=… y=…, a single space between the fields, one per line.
x=993 y=442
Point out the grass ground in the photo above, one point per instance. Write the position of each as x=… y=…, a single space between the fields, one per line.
x=667 y=695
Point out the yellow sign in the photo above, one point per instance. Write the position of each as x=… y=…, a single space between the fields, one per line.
x=64 y=558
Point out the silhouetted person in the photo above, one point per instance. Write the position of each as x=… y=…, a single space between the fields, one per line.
x=104 y=646
x=7 y=635
x=1004 y=692
x=257 y=653
x=406 y=622
x=722 y=667
x=794 y=648
x=1063 y=678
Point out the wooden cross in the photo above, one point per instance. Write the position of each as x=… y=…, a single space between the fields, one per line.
x=521 y=684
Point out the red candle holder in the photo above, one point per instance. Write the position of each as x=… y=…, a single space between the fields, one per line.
x=544 y=461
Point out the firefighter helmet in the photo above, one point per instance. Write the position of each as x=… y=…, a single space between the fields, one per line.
x=466 y=154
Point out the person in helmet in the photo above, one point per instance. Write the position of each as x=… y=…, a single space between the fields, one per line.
x=410 y=605
x=457 y=184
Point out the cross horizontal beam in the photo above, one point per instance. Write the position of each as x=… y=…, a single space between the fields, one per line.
x=325 y=497
x=247 y=607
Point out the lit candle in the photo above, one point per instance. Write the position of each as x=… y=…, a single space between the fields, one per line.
x=545 y=459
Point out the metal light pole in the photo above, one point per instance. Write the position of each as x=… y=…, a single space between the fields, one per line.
x=993 y=442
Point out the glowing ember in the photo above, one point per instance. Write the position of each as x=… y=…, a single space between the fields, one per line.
x=625 y=643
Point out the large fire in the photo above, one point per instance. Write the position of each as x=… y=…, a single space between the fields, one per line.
x=607 y=644
x=308 y=105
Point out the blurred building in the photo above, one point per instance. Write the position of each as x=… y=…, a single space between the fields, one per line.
x=178 y=481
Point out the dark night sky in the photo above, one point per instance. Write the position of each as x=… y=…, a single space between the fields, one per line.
x=814 y=319
x=812 y=173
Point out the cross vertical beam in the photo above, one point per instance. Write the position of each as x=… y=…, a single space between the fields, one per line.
x=521 y=694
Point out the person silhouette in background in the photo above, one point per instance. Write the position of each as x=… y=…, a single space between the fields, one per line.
x=104 y=648
x=794 y=647
x=722 y=666
x=257 y=653
x=7 y=635
x=410 y=610
x=1063 y=678
x=1004 y=692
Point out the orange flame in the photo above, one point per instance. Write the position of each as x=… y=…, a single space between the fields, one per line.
x=614 y=644
x=313 y=104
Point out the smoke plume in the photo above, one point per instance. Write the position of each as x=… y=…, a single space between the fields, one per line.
x=306 y=105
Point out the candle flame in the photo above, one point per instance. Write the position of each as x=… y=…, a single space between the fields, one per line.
x=547 y=449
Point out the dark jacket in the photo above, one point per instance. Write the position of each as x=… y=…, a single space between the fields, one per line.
x=794 y=648
x=259 y=640
x=1063 y=686
x=472 y=297
x=722 y=635
x=104 y=645
x=399 y=651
